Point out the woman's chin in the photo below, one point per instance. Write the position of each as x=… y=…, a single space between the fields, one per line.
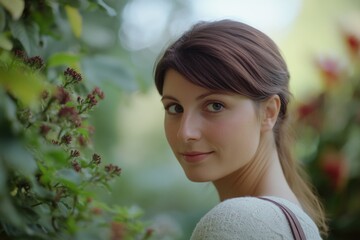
x=197 y=177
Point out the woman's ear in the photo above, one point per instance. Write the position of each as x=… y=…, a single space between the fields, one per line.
x=271 y=109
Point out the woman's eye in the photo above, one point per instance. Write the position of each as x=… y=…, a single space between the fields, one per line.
x=174 y=109
x=214 y=107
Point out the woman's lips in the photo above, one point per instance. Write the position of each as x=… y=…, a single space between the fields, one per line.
x=194 y=157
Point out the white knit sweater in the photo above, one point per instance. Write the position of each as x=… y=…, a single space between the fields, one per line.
x=252 y=218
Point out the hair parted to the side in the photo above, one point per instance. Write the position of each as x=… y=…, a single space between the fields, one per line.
x=231 y=56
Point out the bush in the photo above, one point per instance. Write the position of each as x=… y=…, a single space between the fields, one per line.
x=47 y=161
x=48 y=166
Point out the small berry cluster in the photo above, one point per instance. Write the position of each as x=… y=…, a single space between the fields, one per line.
x=91 y=100
x=60 y=120
x=70 y=114
x=112 y=169
x=36 y=62
x=96 y=159
x=62 y=95
x=72 y=76
x=76 y=166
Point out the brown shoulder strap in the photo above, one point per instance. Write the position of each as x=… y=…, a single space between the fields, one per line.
x=296 y=229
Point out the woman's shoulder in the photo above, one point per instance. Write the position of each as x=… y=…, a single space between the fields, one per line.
x=242 y=208
x=253 y=218
x=242 y=205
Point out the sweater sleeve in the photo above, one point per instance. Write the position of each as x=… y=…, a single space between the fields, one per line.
x=247 y=218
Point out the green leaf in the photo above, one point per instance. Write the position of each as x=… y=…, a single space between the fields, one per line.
x=71 y=224
x=84 y=132
x=15 y=7
x=9 y=123
x=16 y=157
x=63 y=59
x=28 y=35
x=45 y=19
x=40 y=191
x=9 y=107
x=75 y=20
x=5 y=43
x=8 y=212
x=46 y=176
x=2 y=19
x=56 y=157
x=70 y=179
x=3 y=178
x=25 y=87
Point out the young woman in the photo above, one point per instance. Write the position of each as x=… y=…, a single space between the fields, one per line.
x=224 y=86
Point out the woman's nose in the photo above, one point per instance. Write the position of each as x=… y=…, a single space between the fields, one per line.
x=190 y=128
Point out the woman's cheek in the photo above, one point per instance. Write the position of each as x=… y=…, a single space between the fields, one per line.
x=170 y=132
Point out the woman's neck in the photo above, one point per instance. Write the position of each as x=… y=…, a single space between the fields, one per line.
x=263 y=176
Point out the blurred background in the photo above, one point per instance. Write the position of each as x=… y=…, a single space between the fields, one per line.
x=152 y=179
x=320 y=41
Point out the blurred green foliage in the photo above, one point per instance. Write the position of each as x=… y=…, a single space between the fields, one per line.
x=49 y=167
x=329 y=134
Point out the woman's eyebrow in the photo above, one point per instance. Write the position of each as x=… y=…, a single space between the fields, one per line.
x=204 y=95
x=164 y=97
x=201 y=96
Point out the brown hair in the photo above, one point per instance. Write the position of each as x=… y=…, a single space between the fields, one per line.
x=232 y=56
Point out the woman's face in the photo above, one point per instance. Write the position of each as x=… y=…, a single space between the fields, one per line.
x=212 y=134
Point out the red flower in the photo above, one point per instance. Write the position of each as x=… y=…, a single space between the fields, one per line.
x=350 y=30
x=353 y=43
x=311 y=112
x=331 y=70
x=334 y=164
x=306 y=109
